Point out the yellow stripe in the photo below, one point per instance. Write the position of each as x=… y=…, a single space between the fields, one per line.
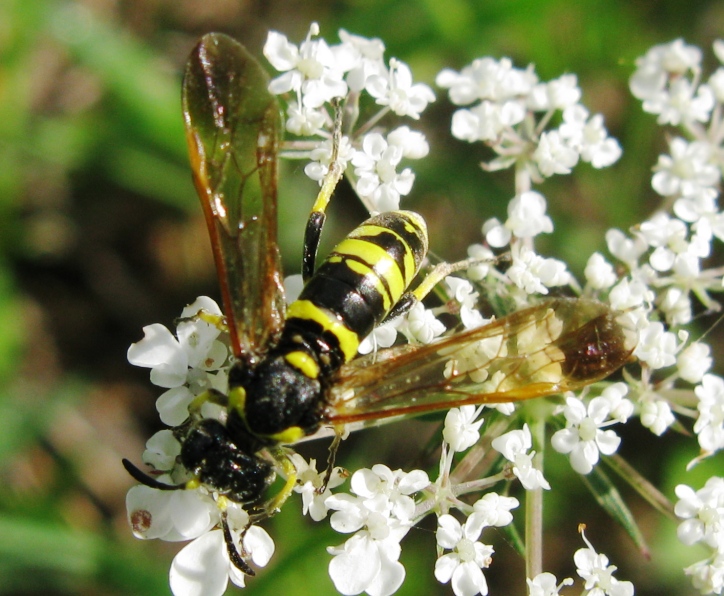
x=383 y=264
x=371 y=275
x=371 y=230
x=348 y=340
x=288 y=435
x=304 y=363
x=237 y=401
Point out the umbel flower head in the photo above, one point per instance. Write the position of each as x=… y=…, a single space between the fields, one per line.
x=654 y=276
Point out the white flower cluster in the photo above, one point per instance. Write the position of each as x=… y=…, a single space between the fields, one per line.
x=703 y=515
x=188 y=364
x=658 y=270
x=511 y=110
x=315 y=75
x=665 y=255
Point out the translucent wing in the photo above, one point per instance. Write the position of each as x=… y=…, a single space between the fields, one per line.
x=559 y=345
x=232 y=130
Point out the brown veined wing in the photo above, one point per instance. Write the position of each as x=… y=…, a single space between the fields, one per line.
x=232 y=129
x=559 y=345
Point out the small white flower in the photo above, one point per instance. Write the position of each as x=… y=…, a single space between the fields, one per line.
x=621 y=408
x=366 y=564
x=694 y=361
x=487 y=78
x=388 y=492
x=653 y=69
x=515 y=446
x=656 y=415
x=170 y=515
x=462 y=427
x=628 y=294
x=557 y=94
x=707 y=576
x=321 y=157
x=483 y=256
x=368 y=561
x=412 y=142
x=496 y=234
x=492 y=510
x=623 y=248
x=709 y=426
x=182 y=363
x=468 y=558
x=160 y=351
x=378 y=179
x=309 y=482
x=203 y=566
x=463 y=292
x=594 y=568
x=686 y=171
x=716 y=84
x=420 y=325
x=657 y=347
x=398 y=91
x=311 y=70
x=527 y=215
x=702 y=512
x=583 y=436
x=553 y=155
x=599 y=273
x=486 y=121
x=382 y=336
x=303 y=120
x=161 y=452
x=533 y=273
x=546 y=584
x=366 y=58
x=589 y=137
x=681 y=103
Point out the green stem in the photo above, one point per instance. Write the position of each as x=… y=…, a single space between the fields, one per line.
x=534 y=509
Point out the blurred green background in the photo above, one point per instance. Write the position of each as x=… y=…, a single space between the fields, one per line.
x=100 y=234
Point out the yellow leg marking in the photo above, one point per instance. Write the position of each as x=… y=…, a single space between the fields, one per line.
x=218 y=321
x=290 y=471
x=237 y=400
x=193 y=484
x=210 y=396
x=289 y=435
x=440 y=272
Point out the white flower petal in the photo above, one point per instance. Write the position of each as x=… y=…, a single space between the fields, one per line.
x=201 y=567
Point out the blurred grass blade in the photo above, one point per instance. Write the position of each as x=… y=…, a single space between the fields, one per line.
x=642 y=486
x=608 y=497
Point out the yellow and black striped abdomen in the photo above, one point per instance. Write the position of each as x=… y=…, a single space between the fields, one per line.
x=358 y=284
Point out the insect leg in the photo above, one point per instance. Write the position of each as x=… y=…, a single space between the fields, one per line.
x=315 y=223
x=211 y=396
x=439 y=272
x=330 y=460
x=234 y=555
x=218 y=321
x=290 y=471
